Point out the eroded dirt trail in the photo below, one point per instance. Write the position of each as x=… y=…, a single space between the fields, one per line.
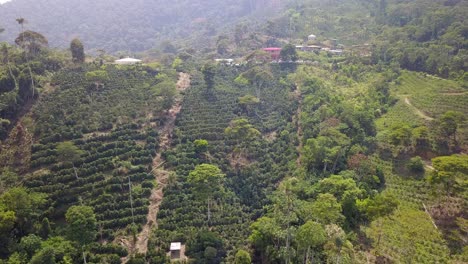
x=161 y=175
x=417 y=111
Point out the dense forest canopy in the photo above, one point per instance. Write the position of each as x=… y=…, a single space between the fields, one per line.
x=345 y=141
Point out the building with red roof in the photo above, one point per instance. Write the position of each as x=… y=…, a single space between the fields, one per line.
x=274 y=52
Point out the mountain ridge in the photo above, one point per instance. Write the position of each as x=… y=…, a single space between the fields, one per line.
x=127 y=25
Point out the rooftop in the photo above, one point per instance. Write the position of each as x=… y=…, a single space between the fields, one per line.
x=176 y=246
x=271 y=49
x=128 y=60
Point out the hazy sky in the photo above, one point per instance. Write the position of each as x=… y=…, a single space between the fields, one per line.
x=4 y=1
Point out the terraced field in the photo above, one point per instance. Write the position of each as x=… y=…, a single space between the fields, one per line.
x=421 y=99
x=400 y=113
x=115 y=127
x=96 y=181
x=432 y=95
x=411 y=192
x=408 y=236
x=205 y=115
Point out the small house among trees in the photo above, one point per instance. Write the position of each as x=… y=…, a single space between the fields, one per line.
x=175 y=250
x=128 y=61
x=274 y=52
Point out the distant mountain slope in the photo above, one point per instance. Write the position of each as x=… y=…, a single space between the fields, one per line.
x=127 y=25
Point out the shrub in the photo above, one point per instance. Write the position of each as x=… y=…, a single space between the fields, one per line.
x=415 y=165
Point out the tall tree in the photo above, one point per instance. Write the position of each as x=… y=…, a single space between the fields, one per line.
x=288 y=53
x=285 y=203
x=248 y=102
x=82 y=226
x=7 y=224
x=45 y=229
x=241 y=130
x=242 y=257
x=382 y=205
x=77 y=50
x=30 y=245
x=201 y=146
x=98 y=77
x=309 y=237
x=21 y=21
x=68 y=152
x=325 y=210
x=209 y=71
x=448 y=124
x=337 y=249
x=32 y=42
x=451 y=172
x=326 y=151
x=27 y=206
x=266 y=237
x=45 y=256
x=4 y=49
x=206 y=179
x=243 y=133
x=167 y=90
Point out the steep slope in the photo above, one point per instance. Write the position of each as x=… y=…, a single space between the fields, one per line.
x=160 y=173
x=252 y=170
x=112 y=125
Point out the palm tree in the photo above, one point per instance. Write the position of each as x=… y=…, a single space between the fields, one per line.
x=21 y=21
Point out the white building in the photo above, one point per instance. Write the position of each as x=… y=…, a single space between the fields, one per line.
x=312 y=37
x=175 y=250
x=336 y=51
x=225 y=61
x=127 y=61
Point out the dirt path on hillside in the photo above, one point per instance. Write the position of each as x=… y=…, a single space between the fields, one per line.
x=161 y=175
x=455 y=93
x=417 y=111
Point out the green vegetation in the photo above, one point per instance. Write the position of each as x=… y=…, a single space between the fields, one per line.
x=167 y=24
x=408 y=235
x=354 y=153
x=77 y=50
x=238 y=149
x=89 y=139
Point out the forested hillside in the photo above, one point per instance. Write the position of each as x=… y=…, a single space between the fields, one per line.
x=128 y=25
x=347 y=142
x=421 y=35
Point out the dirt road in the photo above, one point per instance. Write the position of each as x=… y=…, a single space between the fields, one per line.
x=417 y=111
x=159 y=172
x=161 y=175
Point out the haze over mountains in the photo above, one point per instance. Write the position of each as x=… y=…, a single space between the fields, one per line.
x=128 y=25
x=344 y=142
